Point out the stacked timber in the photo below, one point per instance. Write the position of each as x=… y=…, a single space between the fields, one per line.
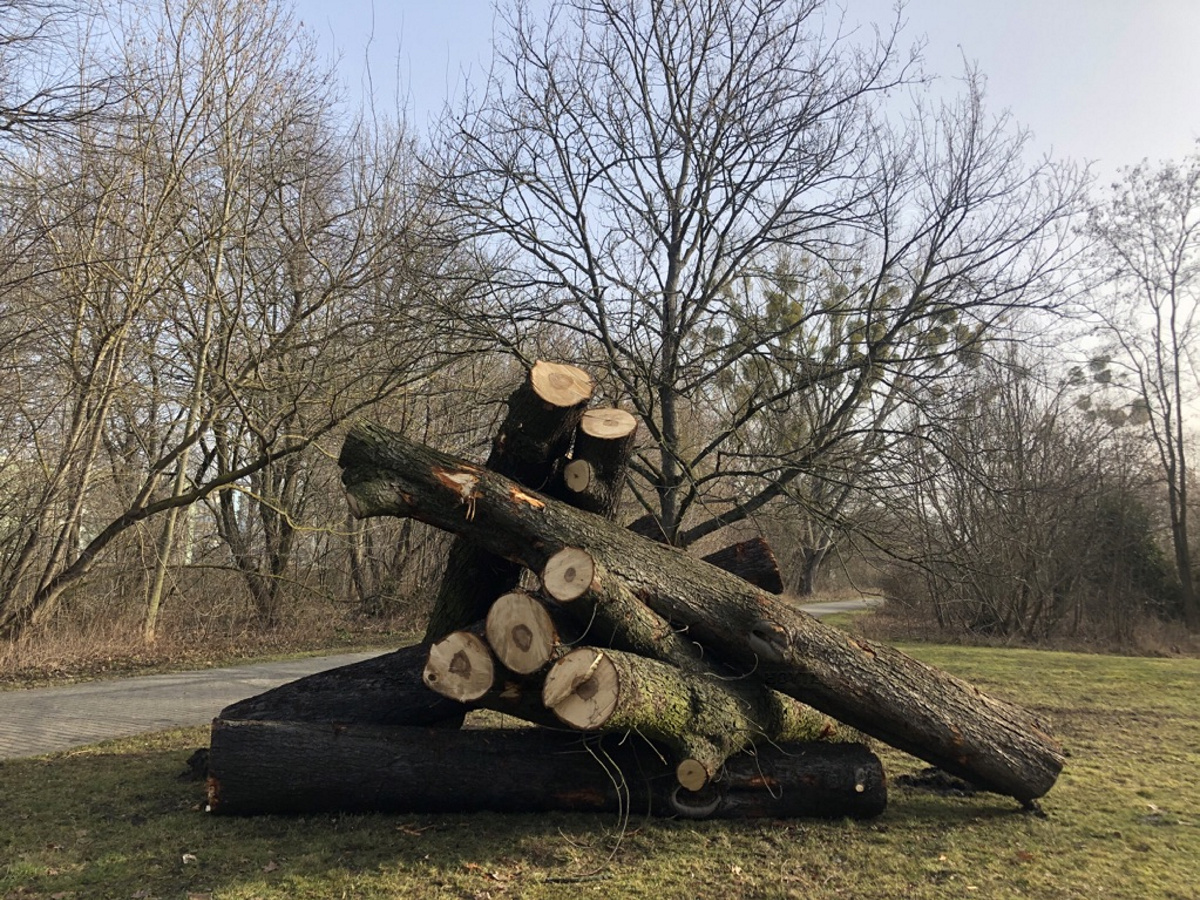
x=709 y=695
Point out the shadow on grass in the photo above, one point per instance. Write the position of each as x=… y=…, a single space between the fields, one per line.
x=118 y=821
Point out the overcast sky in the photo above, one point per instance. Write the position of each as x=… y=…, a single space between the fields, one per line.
x=1113 y=81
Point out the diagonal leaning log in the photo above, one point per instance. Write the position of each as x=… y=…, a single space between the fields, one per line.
x=877 y=689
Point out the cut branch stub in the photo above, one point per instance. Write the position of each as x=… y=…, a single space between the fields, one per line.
x=521 y=632
x=578 y=474
x=460 y=667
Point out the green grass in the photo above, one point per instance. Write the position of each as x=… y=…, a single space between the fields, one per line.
x=1123 y=822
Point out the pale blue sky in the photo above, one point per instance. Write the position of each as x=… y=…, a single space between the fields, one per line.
x=1108 y=80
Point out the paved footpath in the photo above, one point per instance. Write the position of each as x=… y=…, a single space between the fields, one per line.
x=44 y=720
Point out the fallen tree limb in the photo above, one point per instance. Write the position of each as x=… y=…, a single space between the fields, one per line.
x=383 y=691
x=263 y=767
x=875 y=688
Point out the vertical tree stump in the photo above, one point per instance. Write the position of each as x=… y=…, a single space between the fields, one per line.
x=543 y=414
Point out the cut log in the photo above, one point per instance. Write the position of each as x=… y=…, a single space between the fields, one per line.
x=460 y=667
x=386 y=690
x=903 y=702
x=543 y=414
x=521 y=633
x=621 y=621
x=612 y=616
x=595 y=476
x=752 y=561
x=702 y=721
x=258 y=768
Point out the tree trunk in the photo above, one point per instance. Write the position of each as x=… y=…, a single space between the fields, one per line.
x=905 y=703
x=542 y=417
x=265 y=767
x=752 y=561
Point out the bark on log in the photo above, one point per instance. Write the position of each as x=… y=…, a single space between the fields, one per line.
x=386 y=690
x=617 y=619
x=883 y=692
x=750 y=560
x=263 y=767
x=702 y=721
x=543 y=414
x=595 y=476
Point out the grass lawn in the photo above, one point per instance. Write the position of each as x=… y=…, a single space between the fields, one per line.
x=1123 y=822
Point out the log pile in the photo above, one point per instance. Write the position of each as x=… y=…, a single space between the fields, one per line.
x=663 y=683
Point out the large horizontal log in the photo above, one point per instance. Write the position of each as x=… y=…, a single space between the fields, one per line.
x=385 y=690
x=912 y=706
x=258 y=768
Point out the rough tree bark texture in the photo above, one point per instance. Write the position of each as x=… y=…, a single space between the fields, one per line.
x=258 y=767
x=702 y=721
x=875 y=688
x=387 y=691
x=383 y=691
x=543 y=414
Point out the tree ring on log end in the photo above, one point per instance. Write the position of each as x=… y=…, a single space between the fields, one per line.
x=559 y=384
x=608 y=424
x=568 y=574
x=459 y=667
x=577 y=475
x=582 y=689
x=691 y=774
x=520 y=632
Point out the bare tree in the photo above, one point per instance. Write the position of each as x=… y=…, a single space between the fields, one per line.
x=218 y=275
x=47 y=81
x=708 y=200
x=1020 y=509
x=1148 y=301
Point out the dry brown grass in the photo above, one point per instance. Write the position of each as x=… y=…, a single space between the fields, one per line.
x=894 y=623
x=72 y=650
